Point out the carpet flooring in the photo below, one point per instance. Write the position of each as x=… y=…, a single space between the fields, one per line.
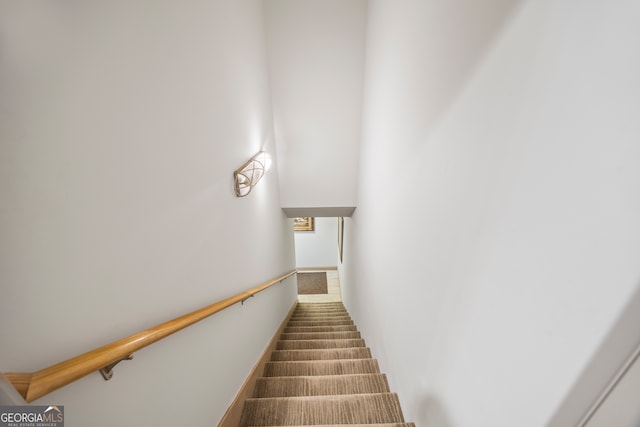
x=322 y=374
x=312 y=283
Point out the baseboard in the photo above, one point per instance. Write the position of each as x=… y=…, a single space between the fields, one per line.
x=302 y=269
x=233 y=414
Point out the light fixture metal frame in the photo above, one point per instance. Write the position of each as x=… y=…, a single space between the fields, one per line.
x=247 y=176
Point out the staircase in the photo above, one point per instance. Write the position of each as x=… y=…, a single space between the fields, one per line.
x=322 y=374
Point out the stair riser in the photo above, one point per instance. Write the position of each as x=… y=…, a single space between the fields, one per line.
x=320 y=312
x=298 y=329
x=318 y=344
x=347 y=320
x=319 y=315
x=328 y=367
x=324 y=354
x=319 y=319
x=320 y=336
x=321 y=386
x=321 y=306
x=321 y=323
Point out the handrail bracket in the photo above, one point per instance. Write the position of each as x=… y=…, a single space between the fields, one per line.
x=107 y=371
x=242 y=301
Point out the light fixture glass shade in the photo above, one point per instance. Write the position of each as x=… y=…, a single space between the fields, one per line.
x=248 y=175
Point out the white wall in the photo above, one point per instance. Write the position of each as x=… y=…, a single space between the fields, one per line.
x=120 y=126
x=316 y=60
x=318 y=248
x=496 y=238
x=345 y=267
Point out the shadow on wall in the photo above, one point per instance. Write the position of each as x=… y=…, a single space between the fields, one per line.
x=621 y=341
x=452 y=55
x=433 y=414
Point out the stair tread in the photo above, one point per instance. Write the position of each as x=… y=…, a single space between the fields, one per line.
x=314 y=410
x=321 y=385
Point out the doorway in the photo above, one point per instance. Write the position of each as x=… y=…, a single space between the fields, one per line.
x=317 y=254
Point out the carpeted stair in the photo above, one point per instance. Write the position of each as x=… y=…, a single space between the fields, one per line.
x=322 y=374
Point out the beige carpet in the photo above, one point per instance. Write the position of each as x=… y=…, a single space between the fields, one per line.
x=322 y=374
x=312 y=283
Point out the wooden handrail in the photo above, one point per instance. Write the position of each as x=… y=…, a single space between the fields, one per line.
x=37 y=384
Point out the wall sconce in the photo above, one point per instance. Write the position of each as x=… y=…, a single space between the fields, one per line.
x=250 y=173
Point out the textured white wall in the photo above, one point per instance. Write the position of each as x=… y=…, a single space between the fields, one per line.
x=120 y=126
x=316 y=60
x=318 y=248
x=496 y=235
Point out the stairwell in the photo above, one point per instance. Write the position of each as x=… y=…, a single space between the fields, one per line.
x=322 y=374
